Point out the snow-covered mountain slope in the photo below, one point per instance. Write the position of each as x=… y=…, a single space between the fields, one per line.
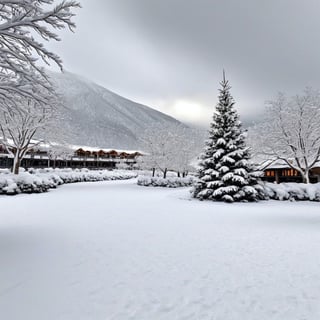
x=99 y=117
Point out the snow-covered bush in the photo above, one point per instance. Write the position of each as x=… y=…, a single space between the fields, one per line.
x=85 y=175
x=292 y=191
x=170 y=182
x=41 y=180
x=24 y=183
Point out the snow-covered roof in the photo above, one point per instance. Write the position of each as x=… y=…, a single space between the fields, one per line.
x=45 y=146
x=96 y=149
x=280 y=164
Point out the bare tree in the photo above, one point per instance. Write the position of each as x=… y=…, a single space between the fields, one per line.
x=158 y=147
x=168 y=148
x=187 y=144
x=290 y=131
x=26 y=126
x=20 y=21
x=59 y=151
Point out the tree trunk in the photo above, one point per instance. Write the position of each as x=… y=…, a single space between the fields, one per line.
x=277 y=178
x=305 y=177
x=165 y=173
x=153 y=171
x=16 y=164
x=178 y=173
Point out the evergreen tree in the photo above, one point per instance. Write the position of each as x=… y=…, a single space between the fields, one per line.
x=225 y=173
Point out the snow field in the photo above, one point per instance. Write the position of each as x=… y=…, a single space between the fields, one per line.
x=113 y=250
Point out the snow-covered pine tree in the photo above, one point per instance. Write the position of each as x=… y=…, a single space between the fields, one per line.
x=225 y=173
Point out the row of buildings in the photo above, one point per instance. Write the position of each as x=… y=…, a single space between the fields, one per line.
x=95 y=158
x=73 y=157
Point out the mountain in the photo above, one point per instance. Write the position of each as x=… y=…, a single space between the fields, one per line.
x=99 y=117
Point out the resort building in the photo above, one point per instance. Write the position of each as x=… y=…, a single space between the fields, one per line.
x=73 y=157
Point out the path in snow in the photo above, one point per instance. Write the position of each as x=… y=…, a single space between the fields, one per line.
x=116 y=251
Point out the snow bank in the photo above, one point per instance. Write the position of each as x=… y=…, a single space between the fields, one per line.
x=292 y=191
x=272 y=191
x=85 y=175
x=41 y=180
x=170 y=182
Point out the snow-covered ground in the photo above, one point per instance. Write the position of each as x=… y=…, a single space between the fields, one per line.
x=117 y=251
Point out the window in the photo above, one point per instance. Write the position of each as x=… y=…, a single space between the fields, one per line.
x=270 y=173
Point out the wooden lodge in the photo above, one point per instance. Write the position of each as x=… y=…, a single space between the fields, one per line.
x=279 y=172
x=83 y=157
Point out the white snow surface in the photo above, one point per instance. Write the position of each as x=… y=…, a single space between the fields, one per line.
x=115 y=251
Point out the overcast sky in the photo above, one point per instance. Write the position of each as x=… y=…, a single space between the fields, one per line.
x=170 y=54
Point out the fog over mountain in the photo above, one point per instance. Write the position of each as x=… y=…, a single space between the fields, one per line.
x=99 y=117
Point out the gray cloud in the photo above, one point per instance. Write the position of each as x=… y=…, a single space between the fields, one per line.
x=164 y=53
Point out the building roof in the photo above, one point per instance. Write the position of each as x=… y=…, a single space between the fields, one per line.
x=280 y=164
